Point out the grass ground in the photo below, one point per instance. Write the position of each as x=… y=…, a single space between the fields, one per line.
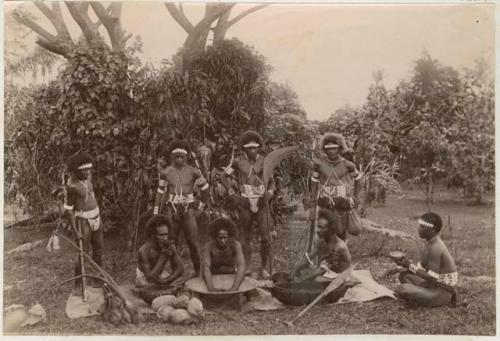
x=470 y=238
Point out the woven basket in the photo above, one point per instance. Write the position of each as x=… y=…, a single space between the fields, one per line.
x=150 y=293
x=301 y=293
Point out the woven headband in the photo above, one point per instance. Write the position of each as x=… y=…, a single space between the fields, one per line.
x=425 y=223
x=180 y=151
x=331 y=146
x=85 y=166
x=251 y=144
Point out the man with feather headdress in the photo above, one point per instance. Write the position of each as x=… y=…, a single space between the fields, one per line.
x=331 y=178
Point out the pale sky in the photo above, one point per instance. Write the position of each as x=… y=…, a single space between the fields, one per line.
x=327 y=53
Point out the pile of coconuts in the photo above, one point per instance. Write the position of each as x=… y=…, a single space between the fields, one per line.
x=182 y=310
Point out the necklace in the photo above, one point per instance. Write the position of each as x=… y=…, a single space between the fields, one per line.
x=87 y=191
x=433 y=239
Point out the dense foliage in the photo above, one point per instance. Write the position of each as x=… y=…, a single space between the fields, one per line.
x=436 y=126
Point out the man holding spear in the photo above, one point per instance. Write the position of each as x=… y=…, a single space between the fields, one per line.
x=253 y=197
x=82 y=211
x=330 y=180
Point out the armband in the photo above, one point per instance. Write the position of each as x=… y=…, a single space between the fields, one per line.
x=68 y=207
x=204 y=187
x=162 y=183
x=159 y=190
x=155 y=210
x=413 y=268
x=433 y=274
x=315 y=177
x=357 y=176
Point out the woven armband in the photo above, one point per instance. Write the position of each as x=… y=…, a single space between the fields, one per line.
x=155 y=210
x=68 y=207
x=159 y=190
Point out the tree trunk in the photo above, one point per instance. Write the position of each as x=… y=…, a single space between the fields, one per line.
x=430 y=191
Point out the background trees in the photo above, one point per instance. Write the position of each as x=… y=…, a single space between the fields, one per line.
x=436 y=125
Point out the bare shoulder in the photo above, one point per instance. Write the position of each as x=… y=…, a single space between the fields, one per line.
x=342 y=246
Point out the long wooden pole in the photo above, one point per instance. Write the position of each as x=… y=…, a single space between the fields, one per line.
x=334 y=284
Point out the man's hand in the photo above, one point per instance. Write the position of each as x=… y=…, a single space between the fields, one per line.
x=405 y=263
x=352 y=202
x=168 y=250
x=201 y=206
x=307 y=202
x=78 y=234
x=155 y=210
x=390 y=272
x=269 y=194
x=312 y=213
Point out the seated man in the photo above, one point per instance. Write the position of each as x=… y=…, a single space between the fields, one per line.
x=154 y=255
x=332 y=255
x=432 y=281
x=222 y=254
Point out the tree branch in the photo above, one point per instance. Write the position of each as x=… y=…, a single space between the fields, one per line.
x=54 y=48
x=213 y=11
x=179 y=17
x=35 y=27
x=111 y=22
x=59 y=24
x=245 y=13
x=80 y=15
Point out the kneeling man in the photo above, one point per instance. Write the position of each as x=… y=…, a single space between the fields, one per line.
x=222 y=254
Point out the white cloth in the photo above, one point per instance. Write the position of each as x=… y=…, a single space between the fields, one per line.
x=140 y=276
x=366 y=290
x=181 y=199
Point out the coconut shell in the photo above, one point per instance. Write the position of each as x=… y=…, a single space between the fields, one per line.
x=164 y=313
x=181 y=302
x=14 y=318
x=161 y=301
x=115 y=317
x=195 y=307
x=126 y=315
x=180 y=316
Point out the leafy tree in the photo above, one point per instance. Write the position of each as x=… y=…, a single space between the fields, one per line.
x=472 y=133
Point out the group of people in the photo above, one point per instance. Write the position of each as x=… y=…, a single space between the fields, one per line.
x=336 y=185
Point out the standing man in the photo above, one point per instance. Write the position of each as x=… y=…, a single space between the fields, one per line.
x=177 y=182
x=330 y=179
x=81 y=209
x=252 y=197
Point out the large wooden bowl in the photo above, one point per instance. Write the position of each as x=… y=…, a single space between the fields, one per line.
x=198 y=285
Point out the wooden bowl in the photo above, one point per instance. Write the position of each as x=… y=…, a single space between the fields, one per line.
x=396 y=255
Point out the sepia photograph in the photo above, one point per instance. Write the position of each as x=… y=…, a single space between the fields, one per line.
x=248 y=169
